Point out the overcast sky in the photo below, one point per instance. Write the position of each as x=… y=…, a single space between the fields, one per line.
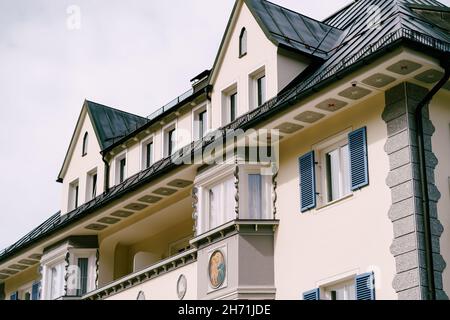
x=135 y=55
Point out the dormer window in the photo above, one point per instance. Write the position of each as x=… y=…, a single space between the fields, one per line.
x=85 y=144
x=243 y=43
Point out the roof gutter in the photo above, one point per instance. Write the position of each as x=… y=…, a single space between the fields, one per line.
x=420 y=140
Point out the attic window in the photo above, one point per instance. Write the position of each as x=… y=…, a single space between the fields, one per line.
x=85 y=144
x=243 y=43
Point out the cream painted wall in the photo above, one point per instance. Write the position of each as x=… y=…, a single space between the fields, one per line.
x=440 y=117
x=164 y=287
x=14 y=283
x=79 y=166
x=317 y=247
x=261 y=53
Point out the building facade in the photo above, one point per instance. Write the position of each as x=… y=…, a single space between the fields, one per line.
x=312 y=162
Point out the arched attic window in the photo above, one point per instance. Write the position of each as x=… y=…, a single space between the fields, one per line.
x=243 y=43
x=85 y=144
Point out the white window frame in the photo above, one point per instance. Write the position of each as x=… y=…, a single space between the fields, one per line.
x=165 y=138
x=91 y=255
x=348 y=285
x=226 y=103
x=89 y=184
x=197 y=135
x=143 y=149
x=74 y=200
x=117 y=159
x=253 y=86
x=266 y=192
x=321 y=149
x=204 y=182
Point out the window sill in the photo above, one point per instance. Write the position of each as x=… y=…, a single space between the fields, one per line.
x=331 y=204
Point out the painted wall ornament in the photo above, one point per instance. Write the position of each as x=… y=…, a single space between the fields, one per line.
x=181 y=287
x=217 y=269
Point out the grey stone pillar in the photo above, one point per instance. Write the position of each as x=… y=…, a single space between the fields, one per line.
x=408 y=246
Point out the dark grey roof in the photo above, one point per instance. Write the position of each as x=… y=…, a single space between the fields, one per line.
x=360 y=46
x=293 y=30
x=111 y=124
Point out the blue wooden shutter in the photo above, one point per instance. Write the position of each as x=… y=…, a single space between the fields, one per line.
x=312 y=295
x=365 y=286
x=359 y=168
x=15 y=296
x=35 y=290
x=307 y=181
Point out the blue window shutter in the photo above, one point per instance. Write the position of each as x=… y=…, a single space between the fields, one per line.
x=359 y=167
x=15 y=296
x=307 y=181
x=35 y=291
x=312 y=295
x=365 y=286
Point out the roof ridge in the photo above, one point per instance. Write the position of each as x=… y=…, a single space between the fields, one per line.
x=300 y=14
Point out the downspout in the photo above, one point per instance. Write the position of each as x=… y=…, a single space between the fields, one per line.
x=420 y=140
x=106 y=178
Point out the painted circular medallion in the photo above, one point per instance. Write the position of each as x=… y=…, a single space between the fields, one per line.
x=217 y=269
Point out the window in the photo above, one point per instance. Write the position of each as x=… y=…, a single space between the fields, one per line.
x=74 y=195
x=202 y=124
x=233 y=107
x=254 y=196
x=336 y=172
x=230 y=104
x=257 y=87
x=243 y=43
x=261 y=90
x=91 y=185
x=221 y=203
x=85 y=144
x=200 y=117
x=121 y=168
x=83 y=264
x=147 y=154
x=341 y=291
x=360 y=287
x=170 y=139
x=56 y=285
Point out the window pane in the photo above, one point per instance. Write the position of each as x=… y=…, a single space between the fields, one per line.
x=254 y=196
x=202 y=124
x=233 y=107
x=94 y=186
x=333 y=172
x=82 y=276
x=149 y=155
x=230 y=201
x=261 y=91
x=76 y=196
x=171 y=142
x=122 y=165
x=345 y=160
x=215 y=207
